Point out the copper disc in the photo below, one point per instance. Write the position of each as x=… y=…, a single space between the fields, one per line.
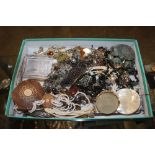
x=26 y=93
x=107 y=102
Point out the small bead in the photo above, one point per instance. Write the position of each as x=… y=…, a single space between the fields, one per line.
x=73 y=90
x=50 y=53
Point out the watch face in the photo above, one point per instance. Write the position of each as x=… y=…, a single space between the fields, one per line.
x=26 y=93
x=107 y=102
x=129 y=101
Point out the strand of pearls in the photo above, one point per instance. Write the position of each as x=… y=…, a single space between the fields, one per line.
x=35 y=103
x=63 y=103
x=63 y=106
x=68 y=110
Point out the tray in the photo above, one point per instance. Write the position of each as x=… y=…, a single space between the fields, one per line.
x=30 y=45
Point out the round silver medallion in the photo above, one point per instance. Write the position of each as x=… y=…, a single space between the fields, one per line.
x=129 y=101
x=107 y=102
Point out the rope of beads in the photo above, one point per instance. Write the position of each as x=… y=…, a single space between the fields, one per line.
x=62 y=105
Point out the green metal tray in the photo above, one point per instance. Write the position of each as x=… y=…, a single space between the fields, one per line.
x=28 y=45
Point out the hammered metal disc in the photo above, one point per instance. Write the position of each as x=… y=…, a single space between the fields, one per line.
x=129 y=101
x=26 y=93
x=107 y=102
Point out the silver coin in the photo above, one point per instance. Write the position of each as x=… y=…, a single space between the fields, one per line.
x=107 y=102
x=129 y=101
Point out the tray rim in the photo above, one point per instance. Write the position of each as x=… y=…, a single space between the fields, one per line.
x=148 y=101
